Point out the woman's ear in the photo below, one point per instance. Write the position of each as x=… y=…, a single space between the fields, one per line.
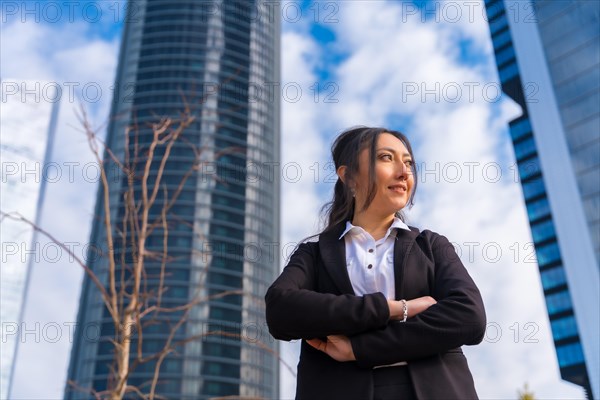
x=341 y=173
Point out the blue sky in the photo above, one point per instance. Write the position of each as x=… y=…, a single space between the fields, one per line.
x=377 y=63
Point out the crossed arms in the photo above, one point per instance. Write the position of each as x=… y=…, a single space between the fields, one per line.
x=369 y=324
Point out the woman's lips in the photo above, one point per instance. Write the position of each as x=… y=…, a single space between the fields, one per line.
x=397 y=188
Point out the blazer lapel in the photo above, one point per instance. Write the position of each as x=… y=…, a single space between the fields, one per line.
x=333 y=255
x=402 y=246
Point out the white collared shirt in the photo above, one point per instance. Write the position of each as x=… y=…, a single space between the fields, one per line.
x=370 y=263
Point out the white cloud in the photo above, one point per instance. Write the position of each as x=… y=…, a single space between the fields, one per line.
x=65 y=55
x=303 y=149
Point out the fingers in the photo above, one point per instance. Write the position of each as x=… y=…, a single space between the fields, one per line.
x=318 y=344
x=336 y=347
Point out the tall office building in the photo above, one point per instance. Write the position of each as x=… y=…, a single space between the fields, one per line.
x=27 y=126
x=548 y=58
x=221 y=58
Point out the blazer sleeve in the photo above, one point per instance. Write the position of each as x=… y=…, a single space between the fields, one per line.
x=457 y=319
x=295 y=310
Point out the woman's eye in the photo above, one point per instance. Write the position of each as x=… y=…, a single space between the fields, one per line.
x=385 y=156
x=408 y=163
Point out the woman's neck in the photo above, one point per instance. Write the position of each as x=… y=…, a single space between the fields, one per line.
x=376 y=225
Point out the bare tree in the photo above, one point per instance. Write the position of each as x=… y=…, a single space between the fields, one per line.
x=131 y=302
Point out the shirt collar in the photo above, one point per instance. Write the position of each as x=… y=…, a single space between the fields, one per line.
x=397 y=223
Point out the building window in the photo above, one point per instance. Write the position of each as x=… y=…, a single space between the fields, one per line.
x=588 y=182
x=508 y=72
x=520 y=129
x=152 y=345
x=533 y=188
x=493 y=8
x=525 y=148
x=227 y=232
x=498 y=24
x=168 y=386
x=501 y=39
x=222 y=350
x=176 y=292
x=226 y=314
x=228 y=201
x=172 y=365
x=224 y=279
x=102 y=368
x=564 y=328
x=106 y=347
x=538 y=209
x=547 y=254
x=221 y=389
x=221 y=369
x=505 y=55
x=558 y=302
x=529 y=168
x=542 y=231
x=569 y=354
x=553 y=277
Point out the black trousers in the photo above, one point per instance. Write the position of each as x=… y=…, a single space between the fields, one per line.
x=393 y=383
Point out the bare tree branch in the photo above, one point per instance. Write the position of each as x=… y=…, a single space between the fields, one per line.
x=15 y=216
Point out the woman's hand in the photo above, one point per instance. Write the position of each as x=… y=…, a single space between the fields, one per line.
x=337 y=347
x=414 y=307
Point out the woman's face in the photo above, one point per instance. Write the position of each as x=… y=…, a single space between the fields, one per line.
x=393 y=176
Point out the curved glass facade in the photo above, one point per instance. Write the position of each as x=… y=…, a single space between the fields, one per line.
x=220 y=59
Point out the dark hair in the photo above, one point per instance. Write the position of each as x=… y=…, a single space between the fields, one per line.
x=345 y=151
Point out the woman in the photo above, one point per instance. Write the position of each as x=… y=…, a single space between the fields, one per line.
x=383 y=308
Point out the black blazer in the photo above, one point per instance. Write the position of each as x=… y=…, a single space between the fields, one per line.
x=313 y=297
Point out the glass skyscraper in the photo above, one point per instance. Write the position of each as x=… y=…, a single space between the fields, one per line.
x=548 y=58
x=222 y=59
x=28 y=128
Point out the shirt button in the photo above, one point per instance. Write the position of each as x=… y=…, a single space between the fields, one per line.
x=370 y=266
x=370 y=250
